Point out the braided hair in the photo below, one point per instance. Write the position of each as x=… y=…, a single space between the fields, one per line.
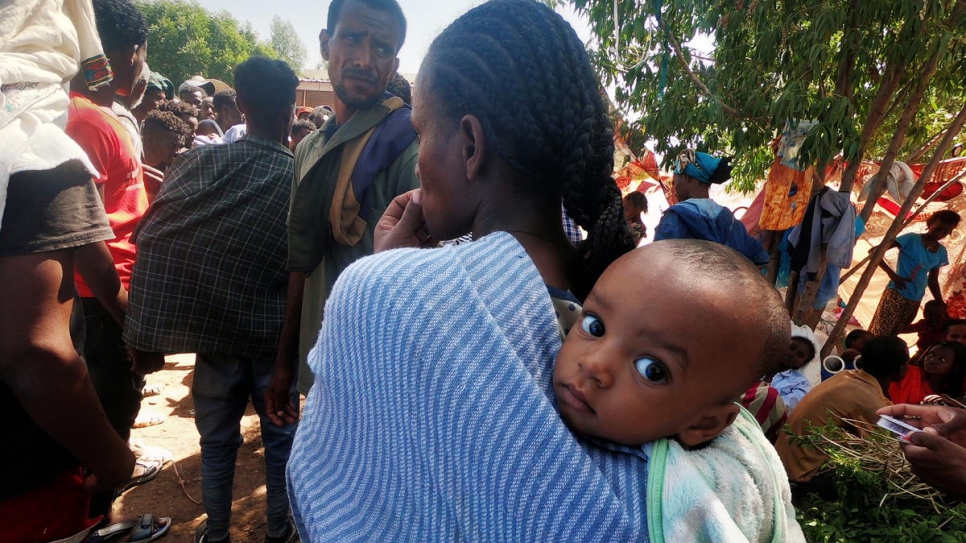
x=521 y=70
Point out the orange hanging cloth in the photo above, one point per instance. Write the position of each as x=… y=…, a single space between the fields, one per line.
x=788 y=187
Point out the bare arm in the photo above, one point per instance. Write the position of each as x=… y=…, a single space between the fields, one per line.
x=38 y=362
x=934 y=284
x=899 y=281
x=280 y=410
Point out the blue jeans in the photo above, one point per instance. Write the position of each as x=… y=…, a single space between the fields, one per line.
x=221 y=389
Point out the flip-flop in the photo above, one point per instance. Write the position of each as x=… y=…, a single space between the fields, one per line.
x=146 y=528
x=150 y=453
x=152 y=390
x=151 y=470
x=145 y=419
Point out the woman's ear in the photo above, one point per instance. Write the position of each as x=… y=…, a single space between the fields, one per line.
x=709 y=425
x=473 y=143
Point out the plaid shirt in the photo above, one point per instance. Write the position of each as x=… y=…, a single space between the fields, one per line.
x=211 y=273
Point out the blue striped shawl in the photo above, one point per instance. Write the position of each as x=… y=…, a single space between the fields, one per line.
x=431 y=418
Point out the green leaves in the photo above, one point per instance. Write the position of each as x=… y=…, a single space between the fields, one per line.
x=184 y=39
x=771 y=62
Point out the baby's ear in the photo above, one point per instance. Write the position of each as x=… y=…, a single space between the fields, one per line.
x=709 y=425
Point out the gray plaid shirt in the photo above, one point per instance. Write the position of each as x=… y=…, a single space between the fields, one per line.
x=211 y=273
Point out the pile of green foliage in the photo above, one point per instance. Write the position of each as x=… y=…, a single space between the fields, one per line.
x=879 y=499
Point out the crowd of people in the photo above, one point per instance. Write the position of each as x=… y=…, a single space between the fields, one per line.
x=450 y=277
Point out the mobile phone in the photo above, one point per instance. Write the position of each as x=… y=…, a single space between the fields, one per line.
x=896 y=426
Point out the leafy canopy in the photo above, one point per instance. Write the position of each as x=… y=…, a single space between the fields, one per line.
x=185 y=39
x=772 y=62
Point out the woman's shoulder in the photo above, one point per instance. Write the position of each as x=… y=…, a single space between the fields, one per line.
x=401 y=271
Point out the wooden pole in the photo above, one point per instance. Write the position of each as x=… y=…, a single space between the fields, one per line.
x=912 y=107
x=911 y=218
x=880 y=251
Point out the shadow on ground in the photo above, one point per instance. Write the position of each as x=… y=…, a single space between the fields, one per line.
x=174 y=492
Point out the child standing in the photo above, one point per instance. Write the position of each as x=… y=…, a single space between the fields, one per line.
x=920 y=257
x=666 y=378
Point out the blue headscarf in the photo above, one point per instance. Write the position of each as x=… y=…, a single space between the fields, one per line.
x=700 y=166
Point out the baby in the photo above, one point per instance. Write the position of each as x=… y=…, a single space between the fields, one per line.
x=670 y=336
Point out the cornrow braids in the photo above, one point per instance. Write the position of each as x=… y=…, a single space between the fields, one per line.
x=523 y=72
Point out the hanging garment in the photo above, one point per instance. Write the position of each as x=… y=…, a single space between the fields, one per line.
x=789 y=185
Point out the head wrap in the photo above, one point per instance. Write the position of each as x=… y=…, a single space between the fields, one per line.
x=161 y=83
x=703 y=167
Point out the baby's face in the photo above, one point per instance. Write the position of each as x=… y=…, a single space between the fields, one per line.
x=652 y=354
x=799 y=353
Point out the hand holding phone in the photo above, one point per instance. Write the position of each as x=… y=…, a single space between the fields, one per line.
x=897 y=427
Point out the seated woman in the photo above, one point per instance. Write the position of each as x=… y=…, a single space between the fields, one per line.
x=697 y=216
x=941 y=371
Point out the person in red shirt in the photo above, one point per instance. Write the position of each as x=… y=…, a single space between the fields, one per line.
x=942 y=370
x=117 y=378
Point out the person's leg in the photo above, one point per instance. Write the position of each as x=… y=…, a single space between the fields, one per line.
x=117 y=386
x=111 y=368
x=278 y=444
x=886 y=318
x=220 y=392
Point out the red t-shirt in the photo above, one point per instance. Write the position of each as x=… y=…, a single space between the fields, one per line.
x=913 y=387
x=110 y=148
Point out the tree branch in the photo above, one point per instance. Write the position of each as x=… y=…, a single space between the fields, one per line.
x=897 y=223
x=676 y=47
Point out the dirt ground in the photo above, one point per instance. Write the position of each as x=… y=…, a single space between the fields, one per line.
x=176 y=492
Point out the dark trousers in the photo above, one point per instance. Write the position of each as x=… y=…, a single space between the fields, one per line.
x=111 y=370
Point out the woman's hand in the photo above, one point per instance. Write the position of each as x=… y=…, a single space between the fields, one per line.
x=402 y=225
x=900 y=282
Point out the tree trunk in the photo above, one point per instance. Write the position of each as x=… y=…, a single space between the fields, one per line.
x=804 y=306
x=922 y=150
x=880 y=105
x=912 y=107
x=894 y=230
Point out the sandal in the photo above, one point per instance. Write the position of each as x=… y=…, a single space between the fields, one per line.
x=146 y=528
x=152 y=390
x=150 y=453
x=146 y=419
x=150 y=470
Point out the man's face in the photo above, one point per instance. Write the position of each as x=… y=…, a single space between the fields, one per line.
x=128 y=65
x=228 y=116
x=161 y=147
x=361 y=51
x=192 y=97
x=153 y=98
x=296 y=137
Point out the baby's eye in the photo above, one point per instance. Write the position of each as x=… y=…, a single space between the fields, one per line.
x=592 y=325
x=651 y=369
